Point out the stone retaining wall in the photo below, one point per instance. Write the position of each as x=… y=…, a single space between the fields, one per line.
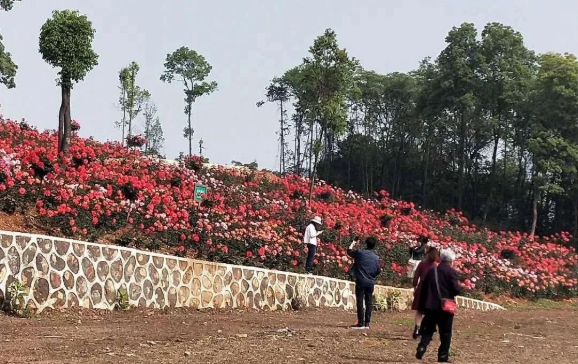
x=61 y=273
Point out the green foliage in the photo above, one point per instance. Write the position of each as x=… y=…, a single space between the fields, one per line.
x=190 y=68
x=327 y=81
x=8 y=68
x=15 y=299
x=66 y=43
x=7 y=5
x=153 y=129
x=133 y=98
x=122 y=299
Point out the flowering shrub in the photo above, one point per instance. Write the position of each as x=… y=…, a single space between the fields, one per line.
x=135 y=141
x=194 y=163
x=106 y=193
x=75 y=125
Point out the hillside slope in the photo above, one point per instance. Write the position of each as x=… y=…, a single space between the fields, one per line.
x=104 y=193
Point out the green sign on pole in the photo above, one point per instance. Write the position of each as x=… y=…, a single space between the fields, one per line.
x=200 y=190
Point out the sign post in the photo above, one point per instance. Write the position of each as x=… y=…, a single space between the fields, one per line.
x=200 y=190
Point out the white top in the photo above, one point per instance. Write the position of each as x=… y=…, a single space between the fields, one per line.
x=310 y=236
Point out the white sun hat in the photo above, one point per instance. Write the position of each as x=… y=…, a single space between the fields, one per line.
x=316 y=220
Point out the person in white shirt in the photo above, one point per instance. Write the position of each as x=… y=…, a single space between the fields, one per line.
x=310 y=238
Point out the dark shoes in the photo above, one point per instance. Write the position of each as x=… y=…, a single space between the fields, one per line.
x=415 y=334
x=420 y=352
x=360 y=327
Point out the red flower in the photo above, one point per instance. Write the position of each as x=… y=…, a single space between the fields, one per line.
x=249 y=254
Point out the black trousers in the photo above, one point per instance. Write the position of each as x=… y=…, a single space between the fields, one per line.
x=364 y=293
x=311 y=251
x=444 y=322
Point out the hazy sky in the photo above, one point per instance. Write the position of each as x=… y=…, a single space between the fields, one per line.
x=248 y=42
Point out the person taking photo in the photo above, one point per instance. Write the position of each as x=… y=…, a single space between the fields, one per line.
x=365 y=268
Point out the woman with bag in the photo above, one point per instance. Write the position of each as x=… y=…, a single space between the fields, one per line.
x=437 y=302
x=422 y=270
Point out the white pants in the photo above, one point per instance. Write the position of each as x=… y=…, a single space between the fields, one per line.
x=412 y=267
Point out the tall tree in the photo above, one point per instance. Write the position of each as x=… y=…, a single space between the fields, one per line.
x=122 y=76
x=190 y=68
x=554 y=138
x=459 y=66
x=294 y=81
x=153 y=131
x=133 y=98
x=328 y=79
x=278 y=92
x=8 y=68
x=506 y=67
x=66 y=43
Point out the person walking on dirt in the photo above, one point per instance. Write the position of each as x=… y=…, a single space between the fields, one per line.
x=416 y=254
x=366 y=268
x=310 y=238
x=437 y=302
x=423 y=268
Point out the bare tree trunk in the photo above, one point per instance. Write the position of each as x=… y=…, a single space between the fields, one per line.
x=425 y=175
x=190 y=134
x=462 y=157
x=65 y=121
x=492 y=179
x=575 y=216
x=282 y=158
x=534 y=212
x=61 y=113
x=123 y=116
x=310 y=142
x=312 y=178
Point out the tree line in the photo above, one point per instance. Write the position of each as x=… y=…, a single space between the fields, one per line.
x=488 y=127
x=65 y=42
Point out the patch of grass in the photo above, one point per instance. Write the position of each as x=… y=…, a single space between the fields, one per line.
x=404 y=322
x=543 y=304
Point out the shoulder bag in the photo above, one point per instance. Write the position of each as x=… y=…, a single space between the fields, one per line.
x=448 y=306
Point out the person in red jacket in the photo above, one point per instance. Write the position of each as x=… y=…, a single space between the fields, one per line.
x=432 y=258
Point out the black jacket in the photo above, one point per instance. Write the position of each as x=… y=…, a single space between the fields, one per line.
x=449 y=288
x=365 y=266
x=417 y=252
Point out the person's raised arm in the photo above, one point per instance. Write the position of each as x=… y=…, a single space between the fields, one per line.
x=350 y=251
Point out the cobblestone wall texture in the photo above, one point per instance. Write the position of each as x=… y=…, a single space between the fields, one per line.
x=61 y=273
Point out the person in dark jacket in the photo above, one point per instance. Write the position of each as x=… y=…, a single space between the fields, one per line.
x=366 y=268
x=416 y=254
x=433 y=256
x=430 y=303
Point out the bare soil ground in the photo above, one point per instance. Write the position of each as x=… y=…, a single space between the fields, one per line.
x=536 y=334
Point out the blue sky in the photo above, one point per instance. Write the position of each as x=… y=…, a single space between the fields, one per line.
x=247 y=42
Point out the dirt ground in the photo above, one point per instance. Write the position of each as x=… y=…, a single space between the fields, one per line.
x=529 y=335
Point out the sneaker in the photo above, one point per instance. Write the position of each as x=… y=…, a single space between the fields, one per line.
x=358 y=327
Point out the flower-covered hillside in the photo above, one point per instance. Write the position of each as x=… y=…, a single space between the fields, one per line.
x=106 y=193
